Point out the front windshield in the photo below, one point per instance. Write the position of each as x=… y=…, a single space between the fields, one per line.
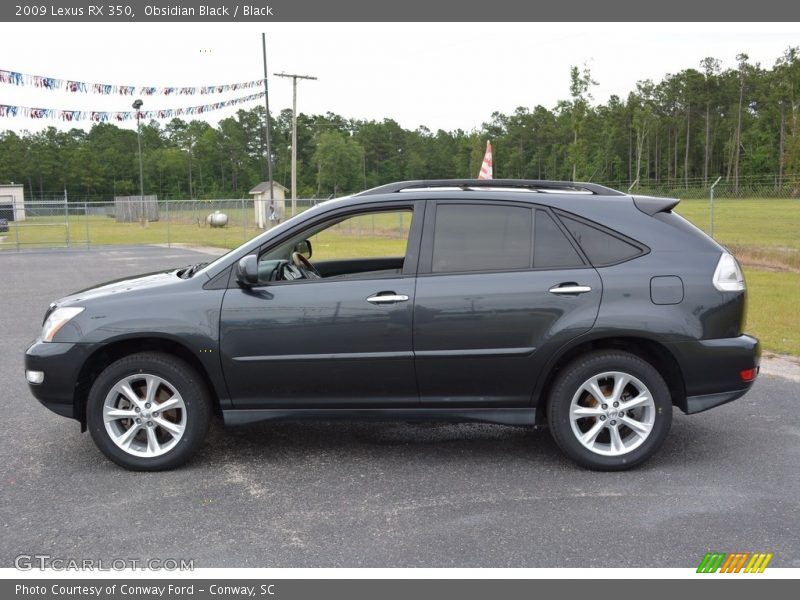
x=216 y=260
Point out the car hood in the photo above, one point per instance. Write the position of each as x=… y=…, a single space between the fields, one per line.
x=146 y=282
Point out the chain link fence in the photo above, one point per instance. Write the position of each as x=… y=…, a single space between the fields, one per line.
x=62 y=222
x=769 y=186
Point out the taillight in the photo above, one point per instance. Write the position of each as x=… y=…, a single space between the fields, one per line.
x=728 y=276
x=748 y=375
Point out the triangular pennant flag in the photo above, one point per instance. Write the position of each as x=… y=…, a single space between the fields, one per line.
x=486 y=167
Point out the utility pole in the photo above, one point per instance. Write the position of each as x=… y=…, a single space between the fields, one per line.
x=294 y=133
x=266 y=102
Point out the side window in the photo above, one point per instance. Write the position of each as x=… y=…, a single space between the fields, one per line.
x=601 y=247
x=551 y=248
x=362 y=245
x=373 y=235
x=475 y=237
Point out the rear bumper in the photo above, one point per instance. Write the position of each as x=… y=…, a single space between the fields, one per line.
x=712 y=370
x=696 y=404
x=61 y=364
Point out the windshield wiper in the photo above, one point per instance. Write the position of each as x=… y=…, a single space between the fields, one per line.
x=188 y=272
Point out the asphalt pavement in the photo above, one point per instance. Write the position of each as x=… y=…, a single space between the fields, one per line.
x=380 y=494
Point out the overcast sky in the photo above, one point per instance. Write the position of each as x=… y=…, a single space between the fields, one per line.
x=446 y=76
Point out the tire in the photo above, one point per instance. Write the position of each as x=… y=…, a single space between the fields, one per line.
x=132 y=431
x=583 y=425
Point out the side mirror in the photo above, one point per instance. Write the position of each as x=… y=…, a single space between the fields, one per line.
x=303 y=247
x=247 y=270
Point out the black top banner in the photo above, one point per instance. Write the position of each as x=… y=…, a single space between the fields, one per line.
x=251 y=11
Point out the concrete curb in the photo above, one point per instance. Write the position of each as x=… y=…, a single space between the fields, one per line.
x=781 y=365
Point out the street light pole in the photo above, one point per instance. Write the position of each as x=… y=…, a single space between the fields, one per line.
x=137 y=104
x=294 y=133
x=266 y=105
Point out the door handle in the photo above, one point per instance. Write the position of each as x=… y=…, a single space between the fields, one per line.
x=569 y=288
x=387 y=298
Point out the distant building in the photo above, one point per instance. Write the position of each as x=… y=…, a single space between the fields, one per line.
x=269 y=212
x=12 y=202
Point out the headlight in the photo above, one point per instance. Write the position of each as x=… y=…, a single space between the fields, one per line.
x=57 y=319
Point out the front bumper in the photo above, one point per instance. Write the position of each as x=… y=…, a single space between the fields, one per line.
x=712 y=370
x=61 y=364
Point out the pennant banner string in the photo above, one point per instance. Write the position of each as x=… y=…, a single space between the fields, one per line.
x=106 y=116
x=52 y=83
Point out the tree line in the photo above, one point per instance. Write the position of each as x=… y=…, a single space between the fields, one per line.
x=687 y=129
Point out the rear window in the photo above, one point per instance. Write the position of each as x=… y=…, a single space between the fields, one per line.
x=472 y=237
x=601 y=247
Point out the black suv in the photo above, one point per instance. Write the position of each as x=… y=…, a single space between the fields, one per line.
x=504 y=301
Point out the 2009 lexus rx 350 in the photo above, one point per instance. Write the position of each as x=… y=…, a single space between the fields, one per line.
x=513 y=302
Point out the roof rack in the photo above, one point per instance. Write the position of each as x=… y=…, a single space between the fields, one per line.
x=531 y=185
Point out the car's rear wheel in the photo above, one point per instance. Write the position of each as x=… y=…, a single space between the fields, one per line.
x=148 y=411
x=609 y=410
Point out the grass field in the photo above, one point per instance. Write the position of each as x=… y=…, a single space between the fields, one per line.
x=763 y=233
x=772 y=312
x=760 y=232
x=765 y=236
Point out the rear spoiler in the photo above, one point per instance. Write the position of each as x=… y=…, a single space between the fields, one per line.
x=651 y=205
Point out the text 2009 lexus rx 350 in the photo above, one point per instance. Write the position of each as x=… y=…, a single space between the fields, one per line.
x=515 y=302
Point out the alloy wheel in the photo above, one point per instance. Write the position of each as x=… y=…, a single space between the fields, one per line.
x=144 y=415
x=612 y=413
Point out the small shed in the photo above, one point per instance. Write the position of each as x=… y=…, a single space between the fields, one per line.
x=269 y=212
x=132 y=209
x=12 y=202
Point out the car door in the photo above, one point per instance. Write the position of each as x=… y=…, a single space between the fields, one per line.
x=341 y=341
x=498 y=283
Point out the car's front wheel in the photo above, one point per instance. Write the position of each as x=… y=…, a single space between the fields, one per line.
x=148 y=411
x=609 y=410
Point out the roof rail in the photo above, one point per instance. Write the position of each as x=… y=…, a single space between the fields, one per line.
x=533 y=185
